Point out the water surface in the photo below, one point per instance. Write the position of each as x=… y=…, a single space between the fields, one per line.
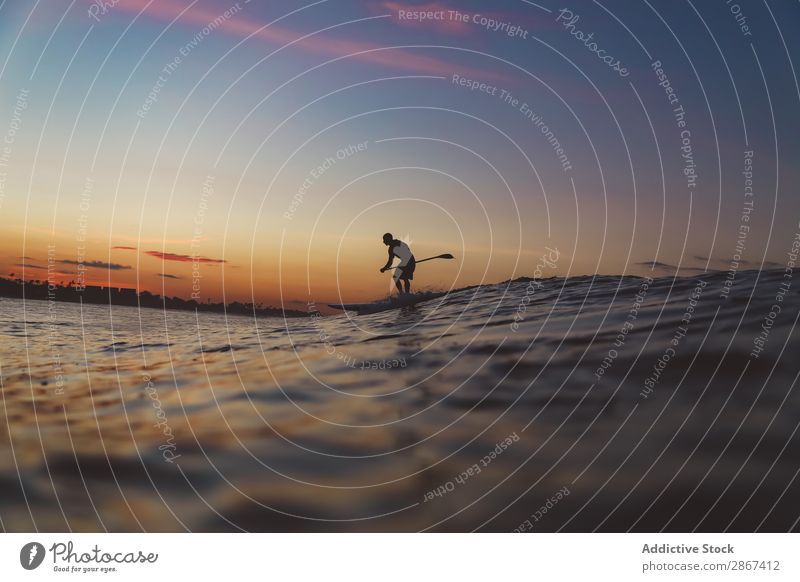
x=467 y=412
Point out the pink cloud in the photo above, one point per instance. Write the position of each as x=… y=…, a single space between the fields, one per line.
x=321 y=44
x=182 y=258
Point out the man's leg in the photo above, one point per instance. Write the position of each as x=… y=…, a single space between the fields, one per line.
x=398 y=277
x=408 y=285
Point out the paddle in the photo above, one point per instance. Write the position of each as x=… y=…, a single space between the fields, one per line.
x=444 y=256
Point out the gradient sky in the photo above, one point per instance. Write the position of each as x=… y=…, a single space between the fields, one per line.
x=262 y=100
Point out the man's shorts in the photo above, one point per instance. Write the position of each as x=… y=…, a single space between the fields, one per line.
x=406 y=271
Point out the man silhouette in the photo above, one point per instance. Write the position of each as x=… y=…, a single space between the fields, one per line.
x=404 y=271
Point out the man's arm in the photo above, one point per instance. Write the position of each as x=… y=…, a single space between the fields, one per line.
x=389 y=262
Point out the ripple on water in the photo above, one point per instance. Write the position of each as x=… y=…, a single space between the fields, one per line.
x=238 y=398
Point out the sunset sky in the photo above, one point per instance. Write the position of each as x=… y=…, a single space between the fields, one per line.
x=276 y=142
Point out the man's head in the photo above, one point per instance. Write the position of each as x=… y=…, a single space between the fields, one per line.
x=388 y=238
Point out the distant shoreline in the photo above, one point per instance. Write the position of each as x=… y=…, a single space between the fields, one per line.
x=123 y=297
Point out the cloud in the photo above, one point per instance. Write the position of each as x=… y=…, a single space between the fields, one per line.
x=96 y=265
x=123 y=248
x=27 y=266
x=167 y=276
x=183 y=258
x=324 y=44
x=658 y=265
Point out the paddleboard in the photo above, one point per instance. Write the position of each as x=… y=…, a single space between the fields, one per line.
x=396 y=302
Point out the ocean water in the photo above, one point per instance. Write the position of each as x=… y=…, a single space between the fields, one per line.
x=591 y=403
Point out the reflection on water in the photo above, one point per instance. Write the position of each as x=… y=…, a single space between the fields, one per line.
x=127 y=420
